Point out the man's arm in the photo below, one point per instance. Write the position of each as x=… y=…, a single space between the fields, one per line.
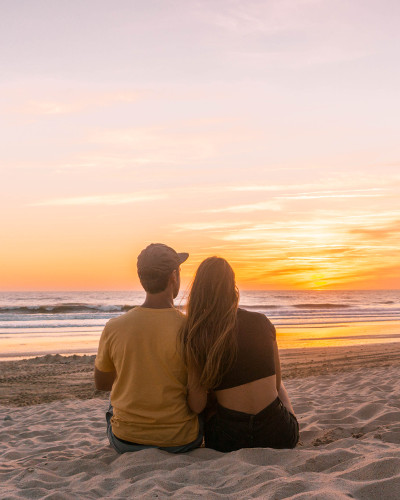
x=103 y=380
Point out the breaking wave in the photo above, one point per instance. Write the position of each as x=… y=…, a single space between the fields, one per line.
x=321 y=306
x=65 y=309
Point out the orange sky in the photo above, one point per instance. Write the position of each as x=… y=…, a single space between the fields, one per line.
x=265 y=133
x=297 y=244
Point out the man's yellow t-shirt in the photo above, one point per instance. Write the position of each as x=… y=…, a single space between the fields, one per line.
x=150 y=389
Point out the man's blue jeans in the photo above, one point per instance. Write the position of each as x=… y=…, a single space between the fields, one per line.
x=122 y=447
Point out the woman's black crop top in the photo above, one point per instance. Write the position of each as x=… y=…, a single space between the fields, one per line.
x=255 y=355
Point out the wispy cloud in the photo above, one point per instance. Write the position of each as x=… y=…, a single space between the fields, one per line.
x=378 y=232
x=269 y=187
x=46 y=108
x=63 y=101
x=313 y=196
x=209 y=226
x=108 y=199
x=252 y=207
x=158 y=145
x=255 y=17
x=310 y=189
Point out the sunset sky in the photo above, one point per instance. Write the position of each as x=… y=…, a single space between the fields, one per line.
x=265 y=132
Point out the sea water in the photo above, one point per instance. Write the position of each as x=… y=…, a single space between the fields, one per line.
x=43 y=322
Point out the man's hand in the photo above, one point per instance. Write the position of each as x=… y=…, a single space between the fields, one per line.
x=103 y=380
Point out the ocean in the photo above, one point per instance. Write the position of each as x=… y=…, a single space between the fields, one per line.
x=34 y=323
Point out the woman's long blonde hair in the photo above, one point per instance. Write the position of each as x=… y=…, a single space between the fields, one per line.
x=208 y=338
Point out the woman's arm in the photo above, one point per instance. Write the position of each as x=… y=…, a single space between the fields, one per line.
x=282 y=393
x=197 y=395
x=277 y=361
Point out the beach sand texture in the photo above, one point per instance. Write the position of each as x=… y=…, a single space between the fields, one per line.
x=350 y=447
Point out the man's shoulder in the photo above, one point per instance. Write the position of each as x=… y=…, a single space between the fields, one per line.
x=120 y=321
x=178 y=313
x=140 y=314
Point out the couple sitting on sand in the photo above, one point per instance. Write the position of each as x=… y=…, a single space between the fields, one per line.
x=174 y=379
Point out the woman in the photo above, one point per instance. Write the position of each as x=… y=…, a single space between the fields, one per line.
x=233 y=353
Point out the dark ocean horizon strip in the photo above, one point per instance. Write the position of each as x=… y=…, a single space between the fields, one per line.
x=302 y=313
x=103 y=309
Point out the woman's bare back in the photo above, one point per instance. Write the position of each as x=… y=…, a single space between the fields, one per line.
x=249 y=398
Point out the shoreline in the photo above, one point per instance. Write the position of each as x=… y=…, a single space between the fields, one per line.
x=56 y=377
x=27 y=344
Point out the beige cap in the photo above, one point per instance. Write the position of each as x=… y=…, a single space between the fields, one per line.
x=161 y=258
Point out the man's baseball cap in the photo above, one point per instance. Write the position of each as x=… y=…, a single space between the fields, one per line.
x=161 y=258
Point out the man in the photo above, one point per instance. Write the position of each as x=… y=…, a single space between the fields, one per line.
x=138 y=360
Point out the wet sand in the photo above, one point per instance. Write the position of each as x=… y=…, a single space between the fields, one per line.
x=67 y=341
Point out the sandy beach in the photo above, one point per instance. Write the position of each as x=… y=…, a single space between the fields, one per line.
x=347 y=401
x=52 y=377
